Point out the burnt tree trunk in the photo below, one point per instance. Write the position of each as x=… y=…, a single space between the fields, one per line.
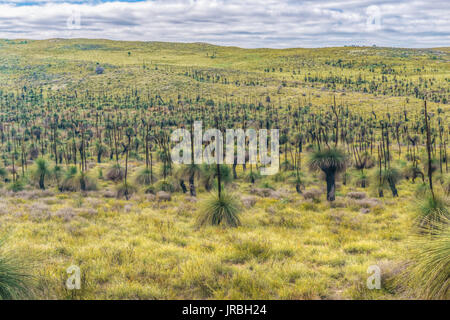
x=192 y=185
x=183 y=186
x=331 y=184
x=393 y=187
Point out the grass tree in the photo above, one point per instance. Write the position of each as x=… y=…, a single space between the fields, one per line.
x=100 y=150
x=42 y=171
x=125 y=189
x=57 y=173
x=429 y=150
x=221 y=207
x=193 y=170
x=145 y=176
x=391 y=176
x=331 y=161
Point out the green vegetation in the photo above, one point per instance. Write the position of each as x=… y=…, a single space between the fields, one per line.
x=429 y=271
x=220 y=209
x=87 y=177
x=15 y=283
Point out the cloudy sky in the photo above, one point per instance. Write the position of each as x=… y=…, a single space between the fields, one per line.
x=244 y=23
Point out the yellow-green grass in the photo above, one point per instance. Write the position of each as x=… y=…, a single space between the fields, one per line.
x=289 y=248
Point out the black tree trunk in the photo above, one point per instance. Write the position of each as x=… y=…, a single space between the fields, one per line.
x=393 y=188
x=192 y=186
x=331 y=184
x=183 y=186
x=41 y=182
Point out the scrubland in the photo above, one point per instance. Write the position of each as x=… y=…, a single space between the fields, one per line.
x=77 y=114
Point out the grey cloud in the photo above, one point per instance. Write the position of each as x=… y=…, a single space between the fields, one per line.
x=251 y=23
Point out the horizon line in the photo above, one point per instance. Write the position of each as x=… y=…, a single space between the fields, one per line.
x=228 y=46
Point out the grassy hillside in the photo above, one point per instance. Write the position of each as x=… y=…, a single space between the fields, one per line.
x=64 y=100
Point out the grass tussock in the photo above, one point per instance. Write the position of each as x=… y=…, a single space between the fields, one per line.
x=432 y=209
x=428 y=272
x=15 y=282
x=220 y=210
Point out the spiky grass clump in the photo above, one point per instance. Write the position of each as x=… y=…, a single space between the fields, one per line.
x=3 y=173
x=217 y=210
x=17 y=185
x=428 y=273
x=445 y=182
x=328 y=159
x=57 y=174
x=421 y=190
x=166 y=185
x=125 y=190
x=252 y=176
x=432 y=210
x=186 y=171
x=282 y=176
x=74 y=181
x=144 y=177
x=362 y=179
x=391 y=174
x=14 y=282
x=69 y=182
x=209 y=174
x=87 y=183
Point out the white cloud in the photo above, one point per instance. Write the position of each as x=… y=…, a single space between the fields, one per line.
x=251 y=23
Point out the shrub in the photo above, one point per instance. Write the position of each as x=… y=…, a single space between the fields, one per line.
x=125 y=190
x=150 y=190
x=266 y=185
x=165 y=185
x=57 y=173
x=362 y=179
x=115 y=173
x=163 y=196
x=389 y=177
x=445 y=181
x=3 y=173
x=69 y=183
x=17 y=186
x=252 y=176
x=87 y=183
x=422 y=189
x=357 y=195
x=249 y=201
x=144 y=177
x=74 y=181
x=209 y=173
x=313 y=194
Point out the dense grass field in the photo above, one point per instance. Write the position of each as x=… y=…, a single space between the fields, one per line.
x=64 y=102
